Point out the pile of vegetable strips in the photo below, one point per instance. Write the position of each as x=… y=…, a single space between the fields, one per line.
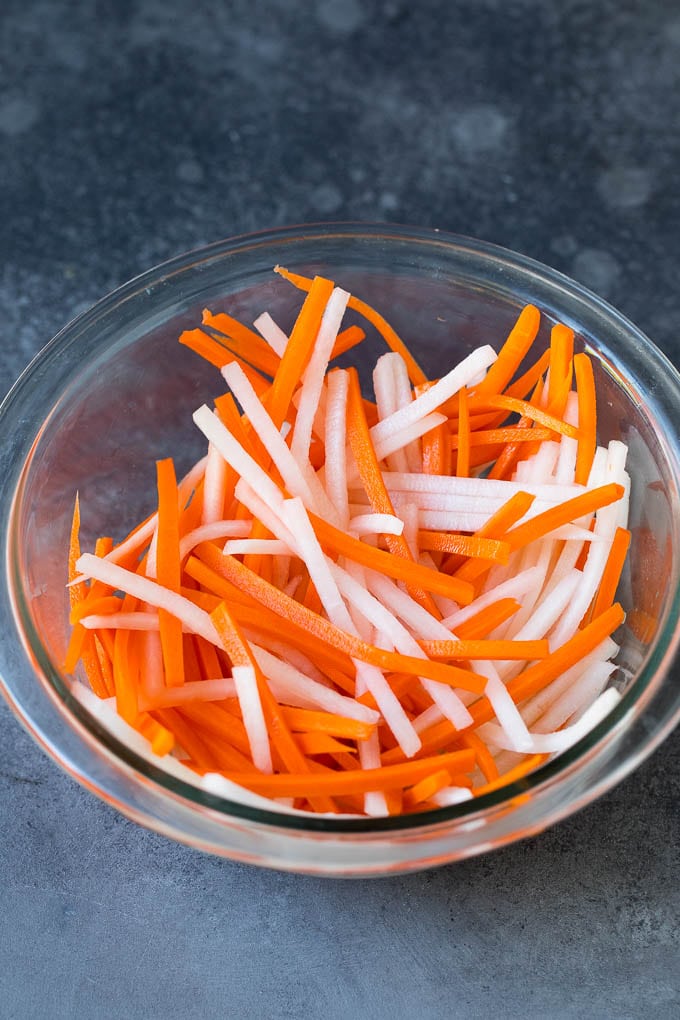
x=365 y=607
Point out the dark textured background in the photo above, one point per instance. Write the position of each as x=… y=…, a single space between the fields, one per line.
x=131 y=130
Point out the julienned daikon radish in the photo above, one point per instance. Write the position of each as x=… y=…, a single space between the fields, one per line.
x=357 y=608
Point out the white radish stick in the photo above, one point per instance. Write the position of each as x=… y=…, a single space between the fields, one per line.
x=295 y=516
x=375 y=524
x=335 y=439
x=291 y=686
x=384 y=387
x=193 y=617
x=445 y=388
x=577 y=698
x=443 y=696
x=513 y=587
x=250 y=703
x=298 y=481
x=214 y=487
x=314 y=375
x=534 y=708
x=398 y=440
x=557 y=742
x=140 y=620
x=264 y=513
x=272 y=333
x=197 y=690
x=375 y=804
x=404 y=396
x=212 y=532
x=451 y=795
x=546 y=611
x=232 y=451
x=257 y=547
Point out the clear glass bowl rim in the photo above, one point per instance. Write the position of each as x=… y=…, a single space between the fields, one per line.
x=61 y=718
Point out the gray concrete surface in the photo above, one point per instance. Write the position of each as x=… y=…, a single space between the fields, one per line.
x=132 y=130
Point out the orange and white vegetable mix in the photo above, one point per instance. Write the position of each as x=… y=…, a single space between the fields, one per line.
x=365 y=607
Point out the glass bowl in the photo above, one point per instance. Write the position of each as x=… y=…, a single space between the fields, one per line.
x=114 y=391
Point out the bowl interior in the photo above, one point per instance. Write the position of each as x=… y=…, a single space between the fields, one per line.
x=116 y=391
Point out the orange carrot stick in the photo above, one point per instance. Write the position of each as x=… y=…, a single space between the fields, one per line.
x=436 y=447
x=346 y=340
x=465 y=545
x=526 y=382
x=298 y=350
x=316 y=743
x=587 y=417
x=426 y=788
x=243 y=341
x=512 y=352
x=376 y=490
x=401 y=568
x=391 y=338
x=484 y=757
x=486 y=620
x=612 y=572
x=512 y=775
x=168 y=571
x=317 y=626
x=526 y=408
x=497 y=528
x=358 y=780
x=463 y=438
x=561 y=367
x=512 y=434
x=564 y=513
x=305 y=720
x=485 y=649
x=219 y=356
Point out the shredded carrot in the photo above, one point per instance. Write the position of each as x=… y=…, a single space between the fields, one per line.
x=303 y=720
x=512 y=352
x=333 y=639
x=348 y=339
x=585 y=388
x=611 y=574
x=371 y=476
x=521 y=770
x=512 y=434
x=465 y=545
x=401 y=567
x=243 y=341
x=437 y=451
x=463 y=440
x=486 y=620
x=219 y=356
x=524 y=407
x=485 y=759
x=323 y=630
x=542 y=524
x=337 y=783
x=497 y=528
x=393 y=341
x=560 y=367
x=298 y=350
x=168 y=570
x=426 y=788
x=486 y=649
